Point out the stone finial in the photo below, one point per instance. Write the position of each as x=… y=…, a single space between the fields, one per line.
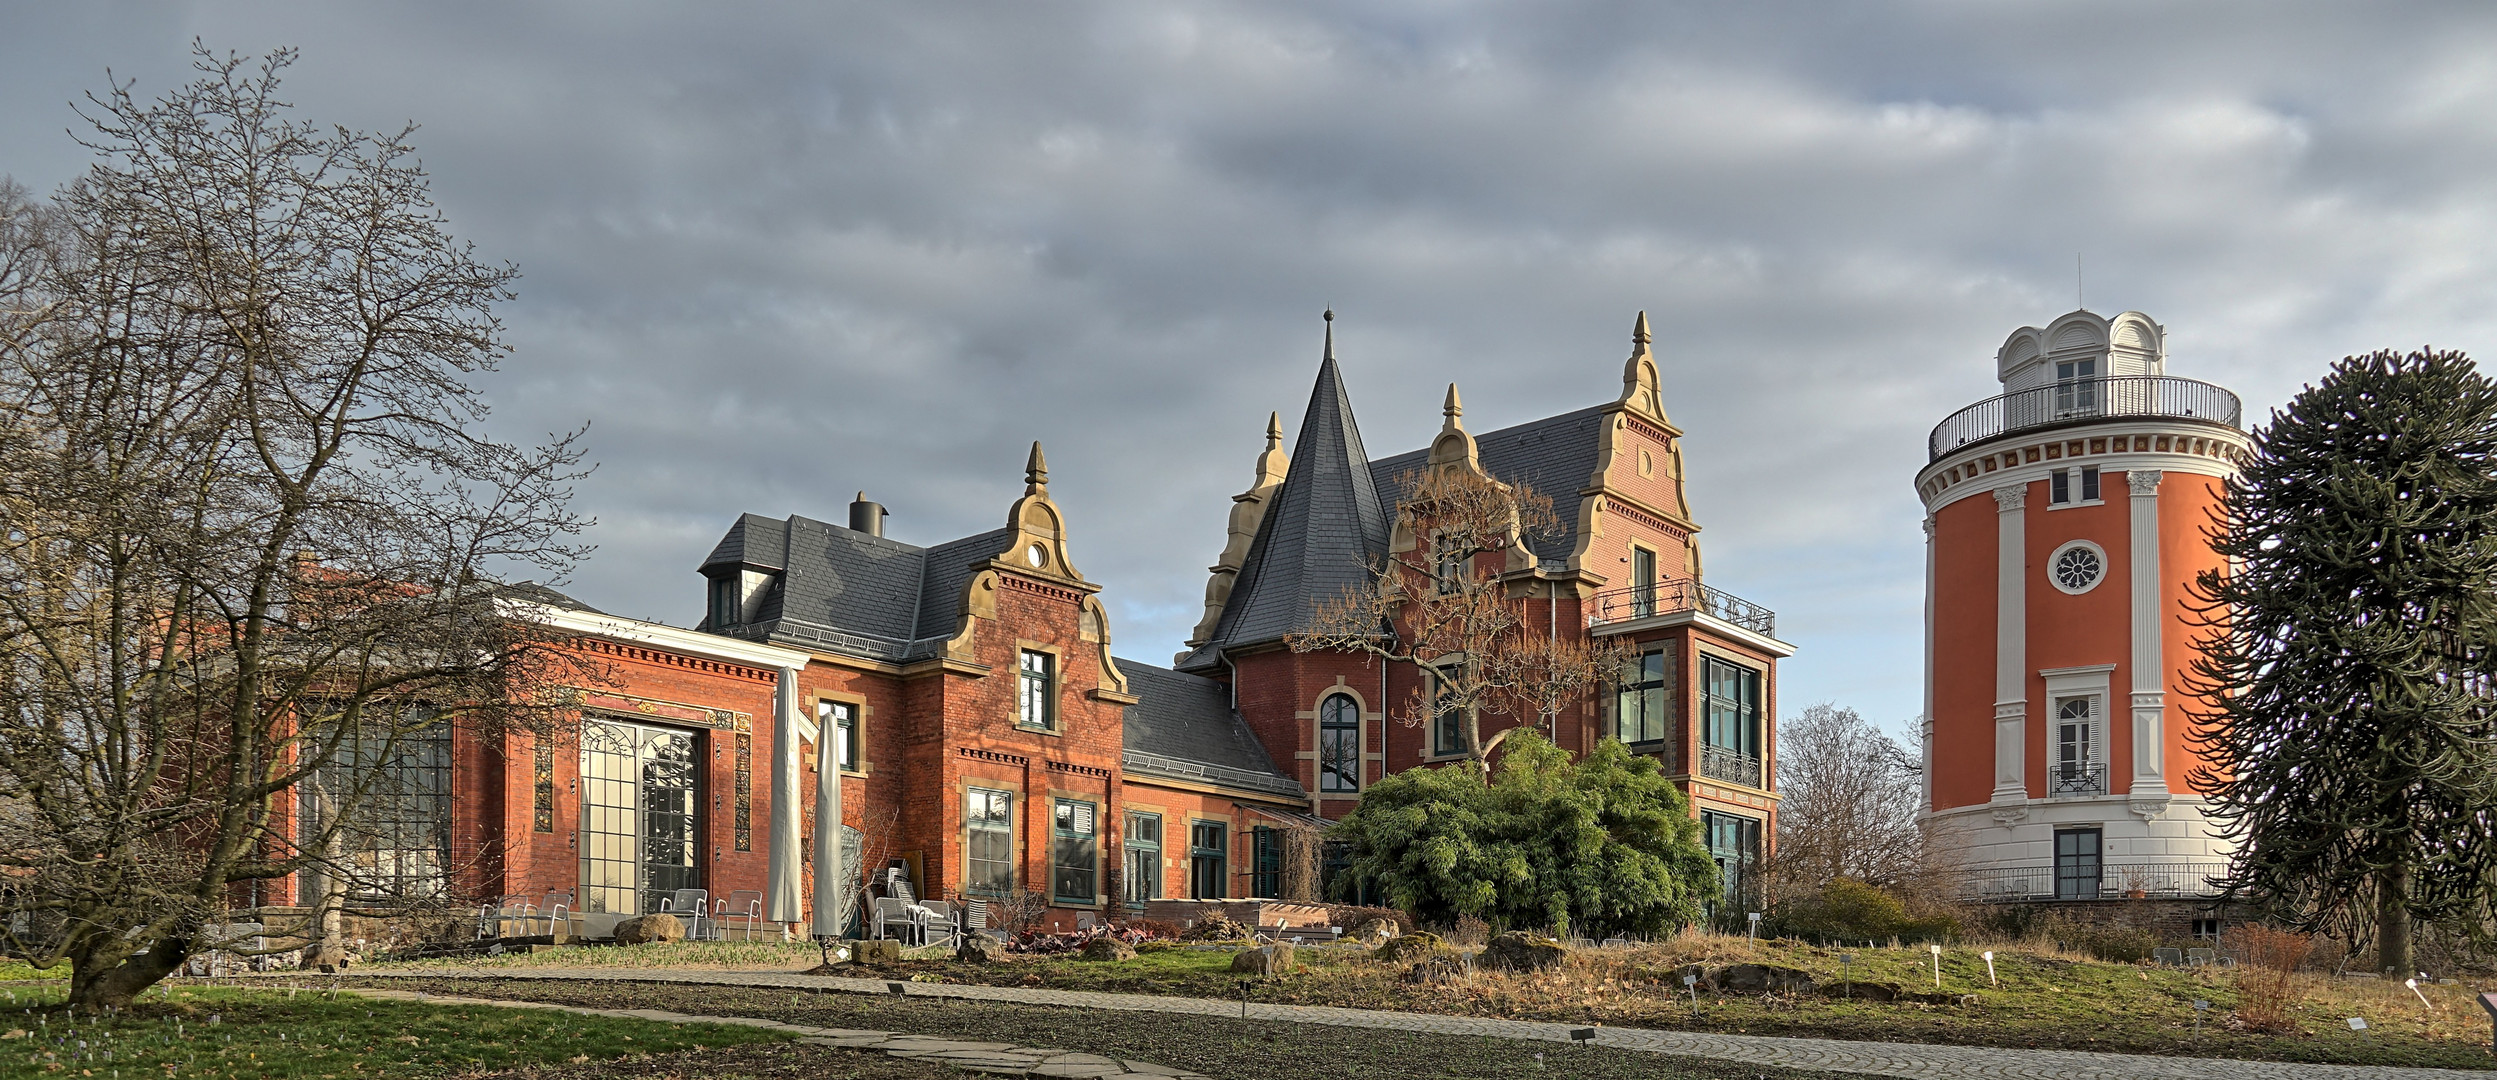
x=1036 y=472
x=1274 y=431
x=1330 y=318
x=1640 y=384
x=1454 y=408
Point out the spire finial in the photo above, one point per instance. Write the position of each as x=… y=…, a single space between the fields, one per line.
x=1036 y=472
x=1639 y=334
x=1274 y=430
x=1454 y=408
x=1330 y=318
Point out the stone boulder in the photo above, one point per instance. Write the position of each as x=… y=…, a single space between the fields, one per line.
x=1272 y=961
x=1407 y=948
x=643 y=929
x=1108 y=948
x=876 y=951
x=980 y=949
x=1765 y=978
x=1445 y=967
x=1707 y=979
x=1518 y=950
x=1373 y=933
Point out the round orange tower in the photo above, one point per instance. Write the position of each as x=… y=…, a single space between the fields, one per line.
x=2064 y=525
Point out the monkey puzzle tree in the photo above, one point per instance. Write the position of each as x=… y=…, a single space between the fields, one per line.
x=2350 y=649
x=247 y=521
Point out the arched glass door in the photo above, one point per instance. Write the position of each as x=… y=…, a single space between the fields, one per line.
x=640 y=837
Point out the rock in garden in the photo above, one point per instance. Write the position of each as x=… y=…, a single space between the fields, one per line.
x=1268 y=960
x=648 y=928
x=1108 y=948
x=1762 y=978
x=876 y=951
x=1407 y=948
x=1216 y=927
x=1707 y=981
x=1438 y=969
x=980 y=949
x=1518 y=950
x=1374 y=932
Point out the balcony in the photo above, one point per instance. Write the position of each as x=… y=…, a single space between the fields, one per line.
x=2090 y=881
x=1671 y=597
x=2108 y=397
x=2075 y=778
x=1730 y=765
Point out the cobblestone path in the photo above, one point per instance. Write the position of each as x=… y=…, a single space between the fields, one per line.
x=1920 y=1061
x=994 y=1058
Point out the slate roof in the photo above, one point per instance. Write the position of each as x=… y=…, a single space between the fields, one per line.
x=869 y=595
x=1184 y=728
x=1325 y=531
x=1555 y=455
x=1322 y=536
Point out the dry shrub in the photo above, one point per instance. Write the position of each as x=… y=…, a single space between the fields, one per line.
x=2268 y=983
x=1469 y=932
x=1352 y=915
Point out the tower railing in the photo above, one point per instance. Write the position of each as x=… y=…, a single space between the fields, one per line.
x=2091 y=881
x=2105 y=397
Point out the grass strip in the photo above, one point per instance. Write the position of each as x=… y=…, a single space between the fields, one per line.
x=187 y=1032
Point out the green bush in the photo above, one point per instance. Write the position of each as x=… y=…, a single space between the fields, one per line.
x=1850 y=910
x=1601 y=846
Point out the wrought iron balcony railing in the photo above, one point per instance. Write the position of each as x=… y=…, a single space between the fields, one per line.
x=2106 y=397
x=2075 y=778
x=2089 y=881
x=1668 y=597
x=1730 y=765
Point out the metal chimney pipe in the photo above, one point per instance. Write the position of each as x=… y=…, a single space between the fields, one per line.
x=867 y=517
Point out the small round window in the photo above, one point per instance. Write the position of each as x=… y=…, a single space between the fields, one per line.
x=1037 y=555
x=2077 y=567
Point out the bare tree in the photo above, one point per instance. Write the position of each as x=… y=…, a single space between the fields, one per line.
x=1441 y=600
x=246 y=519
x=1850 y=797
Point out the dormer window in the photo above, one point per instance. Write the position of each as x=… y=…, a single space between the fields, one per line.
x=724 y=605
x=2076 y=387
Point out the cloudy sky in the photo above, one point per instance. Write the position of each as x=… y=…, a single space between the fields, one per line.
x=779 y=253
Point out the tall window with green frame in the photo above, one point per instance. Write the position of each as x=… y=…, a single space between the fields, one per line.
x=1266 y=878
x=1143 y=841
x=1447 y=720
x=1075 y=853
x=1643 y=700
x=1730 y=742
x=1339 y=744
x=1038 y=707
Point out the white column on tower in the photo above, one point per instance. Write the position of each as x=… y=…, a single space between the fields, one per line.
x=2149 y=666
x=2011 y=645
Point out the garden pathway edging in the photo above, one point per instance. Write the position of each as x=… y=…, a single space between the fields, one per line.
x=993 y=1058
x=1916 y=1061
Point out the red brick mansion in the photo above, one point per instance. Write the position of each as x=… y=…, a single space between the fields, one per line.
x=958 y=709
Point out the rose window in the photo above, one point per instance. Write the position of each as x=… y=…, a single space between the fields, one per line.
x=2077 y=568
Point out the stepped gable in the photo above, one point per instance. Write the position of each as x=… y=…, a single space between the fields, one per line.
x=1189 y=721
x=836 y=587
x=1327 y=528
x=1554 y=455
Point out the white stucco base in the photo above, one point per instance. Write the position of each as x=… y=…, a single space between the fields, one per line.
x=2019 y=835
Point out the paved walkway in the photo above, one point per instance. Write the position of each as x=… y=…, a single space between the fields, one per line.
x=993 y=1058
x=1920 y=1061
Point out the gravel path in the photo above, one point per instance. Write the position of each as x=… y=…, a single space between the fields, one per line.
x=1919 y=1061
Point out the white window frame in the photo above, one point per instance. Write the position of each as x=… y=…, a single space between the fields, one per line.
x=2065 y=684
x=2106 y=568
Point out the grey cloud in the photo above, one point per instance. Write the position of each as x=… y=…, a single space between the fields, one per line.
x=779 y=254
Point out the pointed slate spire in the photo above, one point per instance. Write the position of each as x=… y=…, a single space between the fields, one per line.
x=1324 y=529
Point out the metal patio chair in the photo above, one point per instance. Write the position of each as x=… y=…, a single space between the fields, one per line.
x=493 y=917
x=554 y=912
x=892 y=919
x=693 y=906
x=742 y=908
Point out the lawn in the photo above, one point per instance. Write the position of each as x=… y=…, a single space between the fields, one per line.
x=2039 y=998
x=279 y=1033
x=1231 y=1049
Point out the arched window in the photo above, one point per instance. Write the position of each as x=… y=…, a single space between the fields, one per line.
x=1339 y=744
